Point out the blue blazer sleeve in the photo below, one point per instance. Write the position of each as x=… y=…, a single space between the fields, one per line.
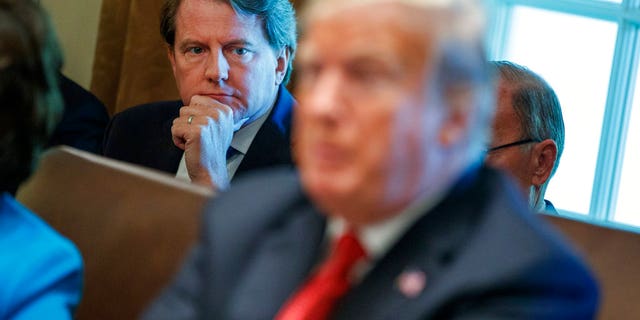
x=40 y=271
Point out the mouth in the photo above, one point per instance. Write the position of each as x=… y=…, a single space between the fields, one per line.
x=328 y=155
x=218 y=95
x=224 y=98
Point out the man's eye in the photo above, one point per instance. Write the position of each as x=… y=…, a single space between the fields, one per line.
x=195 y=50
x=240 y=51
x=365 y=74
x=370 y=74
x=308 y=72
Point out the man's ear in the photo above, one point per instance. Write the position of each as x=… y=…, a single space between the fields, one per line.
x=282 y=64
x=543 y=159
x=456 y=122
x=172 y=58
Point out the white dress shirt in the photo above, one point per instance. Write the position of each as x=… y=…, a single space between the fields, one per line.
x=377 y=239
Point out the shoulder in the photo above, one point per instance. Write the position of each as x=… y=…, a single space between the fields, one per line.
x=255 y=205
x=283 y=109
x=512 y=246
x=508 y=222
x=38 y=267
x=499 y=229
x=262 y=189
x=491 y=247
x=150 y=111
x=257 y=202
x=142 y=118
x=550 y=208
x=142 y=135
x=78 y=99
x=25 y=229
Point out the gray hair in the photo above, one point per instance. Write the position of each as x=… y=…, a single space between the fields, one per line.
x=278 y=17
x=535 y=104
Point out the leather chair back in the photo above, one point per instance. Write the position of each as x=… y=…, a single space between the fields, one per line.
x=614 y=256
x=133 y=226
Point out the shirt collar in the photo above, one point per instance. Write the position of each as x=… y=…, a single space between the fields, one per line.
x=242 y=138
x=378 y=238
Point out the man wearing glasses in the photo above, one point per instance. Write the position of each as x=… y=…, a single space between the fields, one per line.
x=528 y=131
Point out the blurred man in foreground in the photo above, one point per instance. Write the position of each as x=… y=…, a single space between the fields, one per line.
x=528 y=131
x=392 y=215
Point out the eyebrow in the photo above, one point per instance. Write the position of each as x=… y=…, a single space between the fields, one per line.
x=374 y=61
x=233 y=42
x=379 y=61
x=238 y=42
x=187 y=42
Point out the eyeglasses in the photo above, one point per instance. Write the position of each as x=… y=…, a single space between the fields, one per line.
x=512 y=144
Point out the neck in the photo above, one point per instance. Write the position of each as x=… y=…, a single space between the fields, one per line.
x=536 y=198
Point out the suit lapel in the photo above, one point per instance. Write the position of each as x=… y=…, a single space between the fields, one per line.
x=167 y=149
x=283 y=261
x=381 y=294
x=426 y=250
x=271 y=145
x=260 y=253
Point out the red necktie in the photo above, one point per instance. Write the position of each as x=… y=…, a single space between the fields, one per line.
x=316 y=299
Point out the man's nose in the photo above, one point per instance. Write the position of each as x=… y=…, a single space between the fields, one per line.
x=217 y=67
x=325 y=96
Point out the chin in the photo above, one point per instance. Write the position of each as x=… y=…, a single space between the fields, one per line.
x=328 y=186
x=318 y=182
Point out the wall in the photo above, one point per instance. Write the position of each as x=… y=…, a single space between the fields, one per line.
x=76 y=23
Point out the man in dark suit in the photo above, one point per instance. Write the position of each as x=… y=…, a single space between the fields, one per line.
x=392 y=215
x=84 y=119
x=231 y=60
x=528 y=131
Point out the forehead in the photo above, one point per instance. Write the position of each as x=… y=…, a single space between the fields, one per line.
x=504 y=96
x=209 y=17
x=506 y=120
x=391 y=32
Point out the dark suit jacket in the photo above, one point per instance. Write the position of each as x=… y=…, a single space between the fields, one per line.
x=84 y=119
x=549 y=208
x=484 y=254
x=142 y=135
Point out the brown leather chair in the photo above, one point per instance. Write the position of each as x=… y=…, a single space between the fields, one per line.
x=132 y=225
x=614 y=256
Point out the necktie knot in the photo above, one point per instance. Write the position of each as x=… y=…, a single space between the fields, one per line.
x=347 y=252
x=231 y=151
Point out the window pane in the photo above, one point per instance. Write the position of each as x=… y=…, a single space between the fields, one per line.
x=574 y=55
x=627 y=208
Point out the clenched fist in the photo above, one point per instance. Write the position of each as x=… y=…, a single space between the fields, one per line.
x=204 y=131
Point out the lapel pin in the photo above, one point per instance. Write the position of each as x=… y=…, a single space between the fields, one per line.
x=411 y=282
